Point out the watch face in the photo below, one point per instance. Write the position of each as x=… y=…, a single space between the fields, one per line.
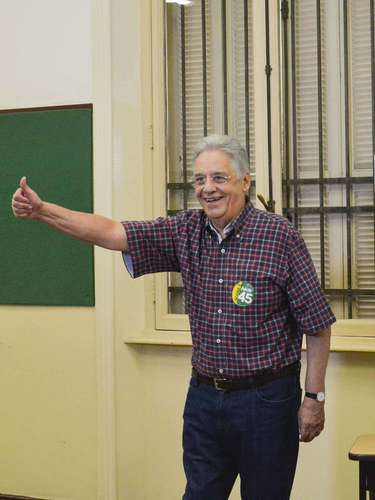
x=320 y=396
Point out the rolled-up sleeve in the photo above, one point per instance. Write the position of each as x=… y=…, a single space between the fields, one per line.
x=308 y=304
x=151 y=246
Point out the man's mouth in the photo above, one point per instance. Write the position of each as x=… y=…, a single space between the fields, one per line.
x=212 y=199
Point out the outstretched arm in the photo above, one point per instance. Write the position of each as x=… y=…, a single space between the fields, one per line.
x=91 y=228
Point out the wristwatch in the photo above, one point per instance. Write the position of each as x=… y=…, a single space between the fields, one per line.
x=318 y=396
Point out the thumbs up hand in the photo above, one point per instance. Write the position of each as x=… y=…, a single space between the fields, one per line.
x=25 y=202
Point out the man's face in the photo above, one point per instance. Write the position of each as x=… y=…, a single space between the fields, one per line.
x=222 y=202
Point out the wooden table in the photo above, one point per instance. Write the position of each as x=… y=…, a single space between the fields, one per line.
x=363 y=450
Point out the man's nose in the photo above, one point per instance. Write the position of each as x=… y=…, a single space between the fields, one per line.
x=209 y=185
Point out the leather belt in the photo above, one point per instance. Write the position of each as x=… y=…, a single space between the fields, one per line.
x=263 y=377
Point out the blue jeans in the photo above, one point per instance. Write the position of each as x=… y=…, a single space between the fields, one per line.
x=253 y=433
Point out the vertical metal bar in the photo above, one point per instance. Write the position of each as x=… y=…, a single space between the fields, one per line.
x=225 y=64
x=268 y=70
x=183 y=104
x=247 y=96
x=321 y=159
x=294 y=111
x=166 y=101
x=285 y=15
x=204 y=65
x=347 y=166
x=372 y=28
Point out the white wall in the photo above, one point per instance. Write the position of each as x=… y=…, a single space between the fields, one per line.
x=48 y=358
x=45 y=52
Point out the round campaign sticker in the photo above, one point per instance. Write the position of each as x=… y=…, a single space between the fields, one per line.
x=243 y=294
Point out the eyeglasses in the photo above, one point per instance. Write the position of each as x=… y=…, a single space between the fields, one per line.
x=200 y=180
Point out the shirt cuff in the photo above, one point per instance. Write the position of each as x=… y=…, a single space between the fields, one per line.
x=128 y=263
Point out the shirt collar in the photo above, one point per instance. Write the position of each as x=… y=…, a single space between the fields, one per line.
x=234 y=225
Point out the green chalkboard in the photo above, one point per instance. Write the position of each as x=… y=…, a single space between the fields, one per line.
x=53 y=148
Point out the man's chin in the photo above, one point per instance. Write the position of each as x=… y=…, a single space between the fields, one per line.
x=213 y=213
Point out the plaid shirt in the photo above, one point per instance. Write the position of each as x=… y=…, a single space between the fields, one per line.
x=250 y=297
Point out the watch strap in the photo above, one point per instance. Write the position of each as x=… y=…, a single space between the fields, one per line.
x=318 y=396
x=311 y=395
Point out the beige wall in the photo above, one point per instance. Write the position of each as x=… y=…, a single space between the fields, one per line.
x=151 y=381
x=150 y=426
x=48 y=403
x=56 y=422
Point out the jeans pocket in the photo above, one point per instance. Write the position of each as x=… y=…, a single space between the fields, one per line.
x=192 y=398
x=279 y=391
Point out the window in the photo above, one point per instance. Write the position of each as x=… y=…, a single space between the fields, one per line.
x=210 y=89
x=301 y=100
x=328 y=174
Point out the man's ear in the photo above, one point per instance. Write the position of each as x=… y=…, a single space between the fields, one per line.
x=246 y=183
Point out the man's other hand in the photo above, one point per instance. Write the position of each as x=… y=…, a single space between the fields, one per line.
x=25 y=202
x=310 y=419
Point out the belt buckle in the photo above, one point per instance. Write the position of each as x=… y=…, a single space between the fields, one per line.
x=217 y=382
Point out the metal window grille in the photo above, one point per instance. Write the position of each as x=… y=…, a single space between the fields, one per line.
x=209 y=74
x=329 y=197
x=318 y=194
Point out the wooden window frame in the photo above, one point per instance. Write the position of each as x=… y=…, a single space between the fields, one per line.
x=163 y=328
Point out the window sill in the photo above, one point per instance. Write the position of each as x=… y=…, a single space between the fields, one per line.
x=161 y=337
x=343 y=338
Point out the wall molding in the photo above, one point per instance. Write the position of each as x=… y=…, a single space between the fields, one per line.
x=15 y=497
x=46 y=108
x=104 y=270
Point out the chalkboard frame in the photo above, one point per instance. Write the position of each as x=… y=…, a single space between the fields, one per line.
x=53 y=147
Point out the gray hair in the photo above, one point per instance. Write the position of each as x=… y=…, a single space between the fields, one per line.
x=231 y=146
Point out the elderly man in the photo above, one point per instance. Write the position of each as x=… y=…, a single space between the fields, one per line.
x=251 y=293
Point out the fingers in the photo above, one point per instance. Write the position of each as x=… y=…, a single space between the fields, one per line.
x=307 y=438
x=22 y=215
x=310 y=429
x=307 y=435
x=22 y=210
x=21 y=206
x=19 y=197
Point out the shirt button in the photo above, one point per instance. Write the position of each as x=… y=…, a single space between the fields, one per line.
x=221 y=370
x=218 y=341
x=238 y=236
x=223 y=250
x=219 y=311
x=221 y=280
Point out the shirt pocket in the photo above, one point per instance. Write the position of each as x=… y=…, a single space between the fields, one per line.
x=267 y=298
